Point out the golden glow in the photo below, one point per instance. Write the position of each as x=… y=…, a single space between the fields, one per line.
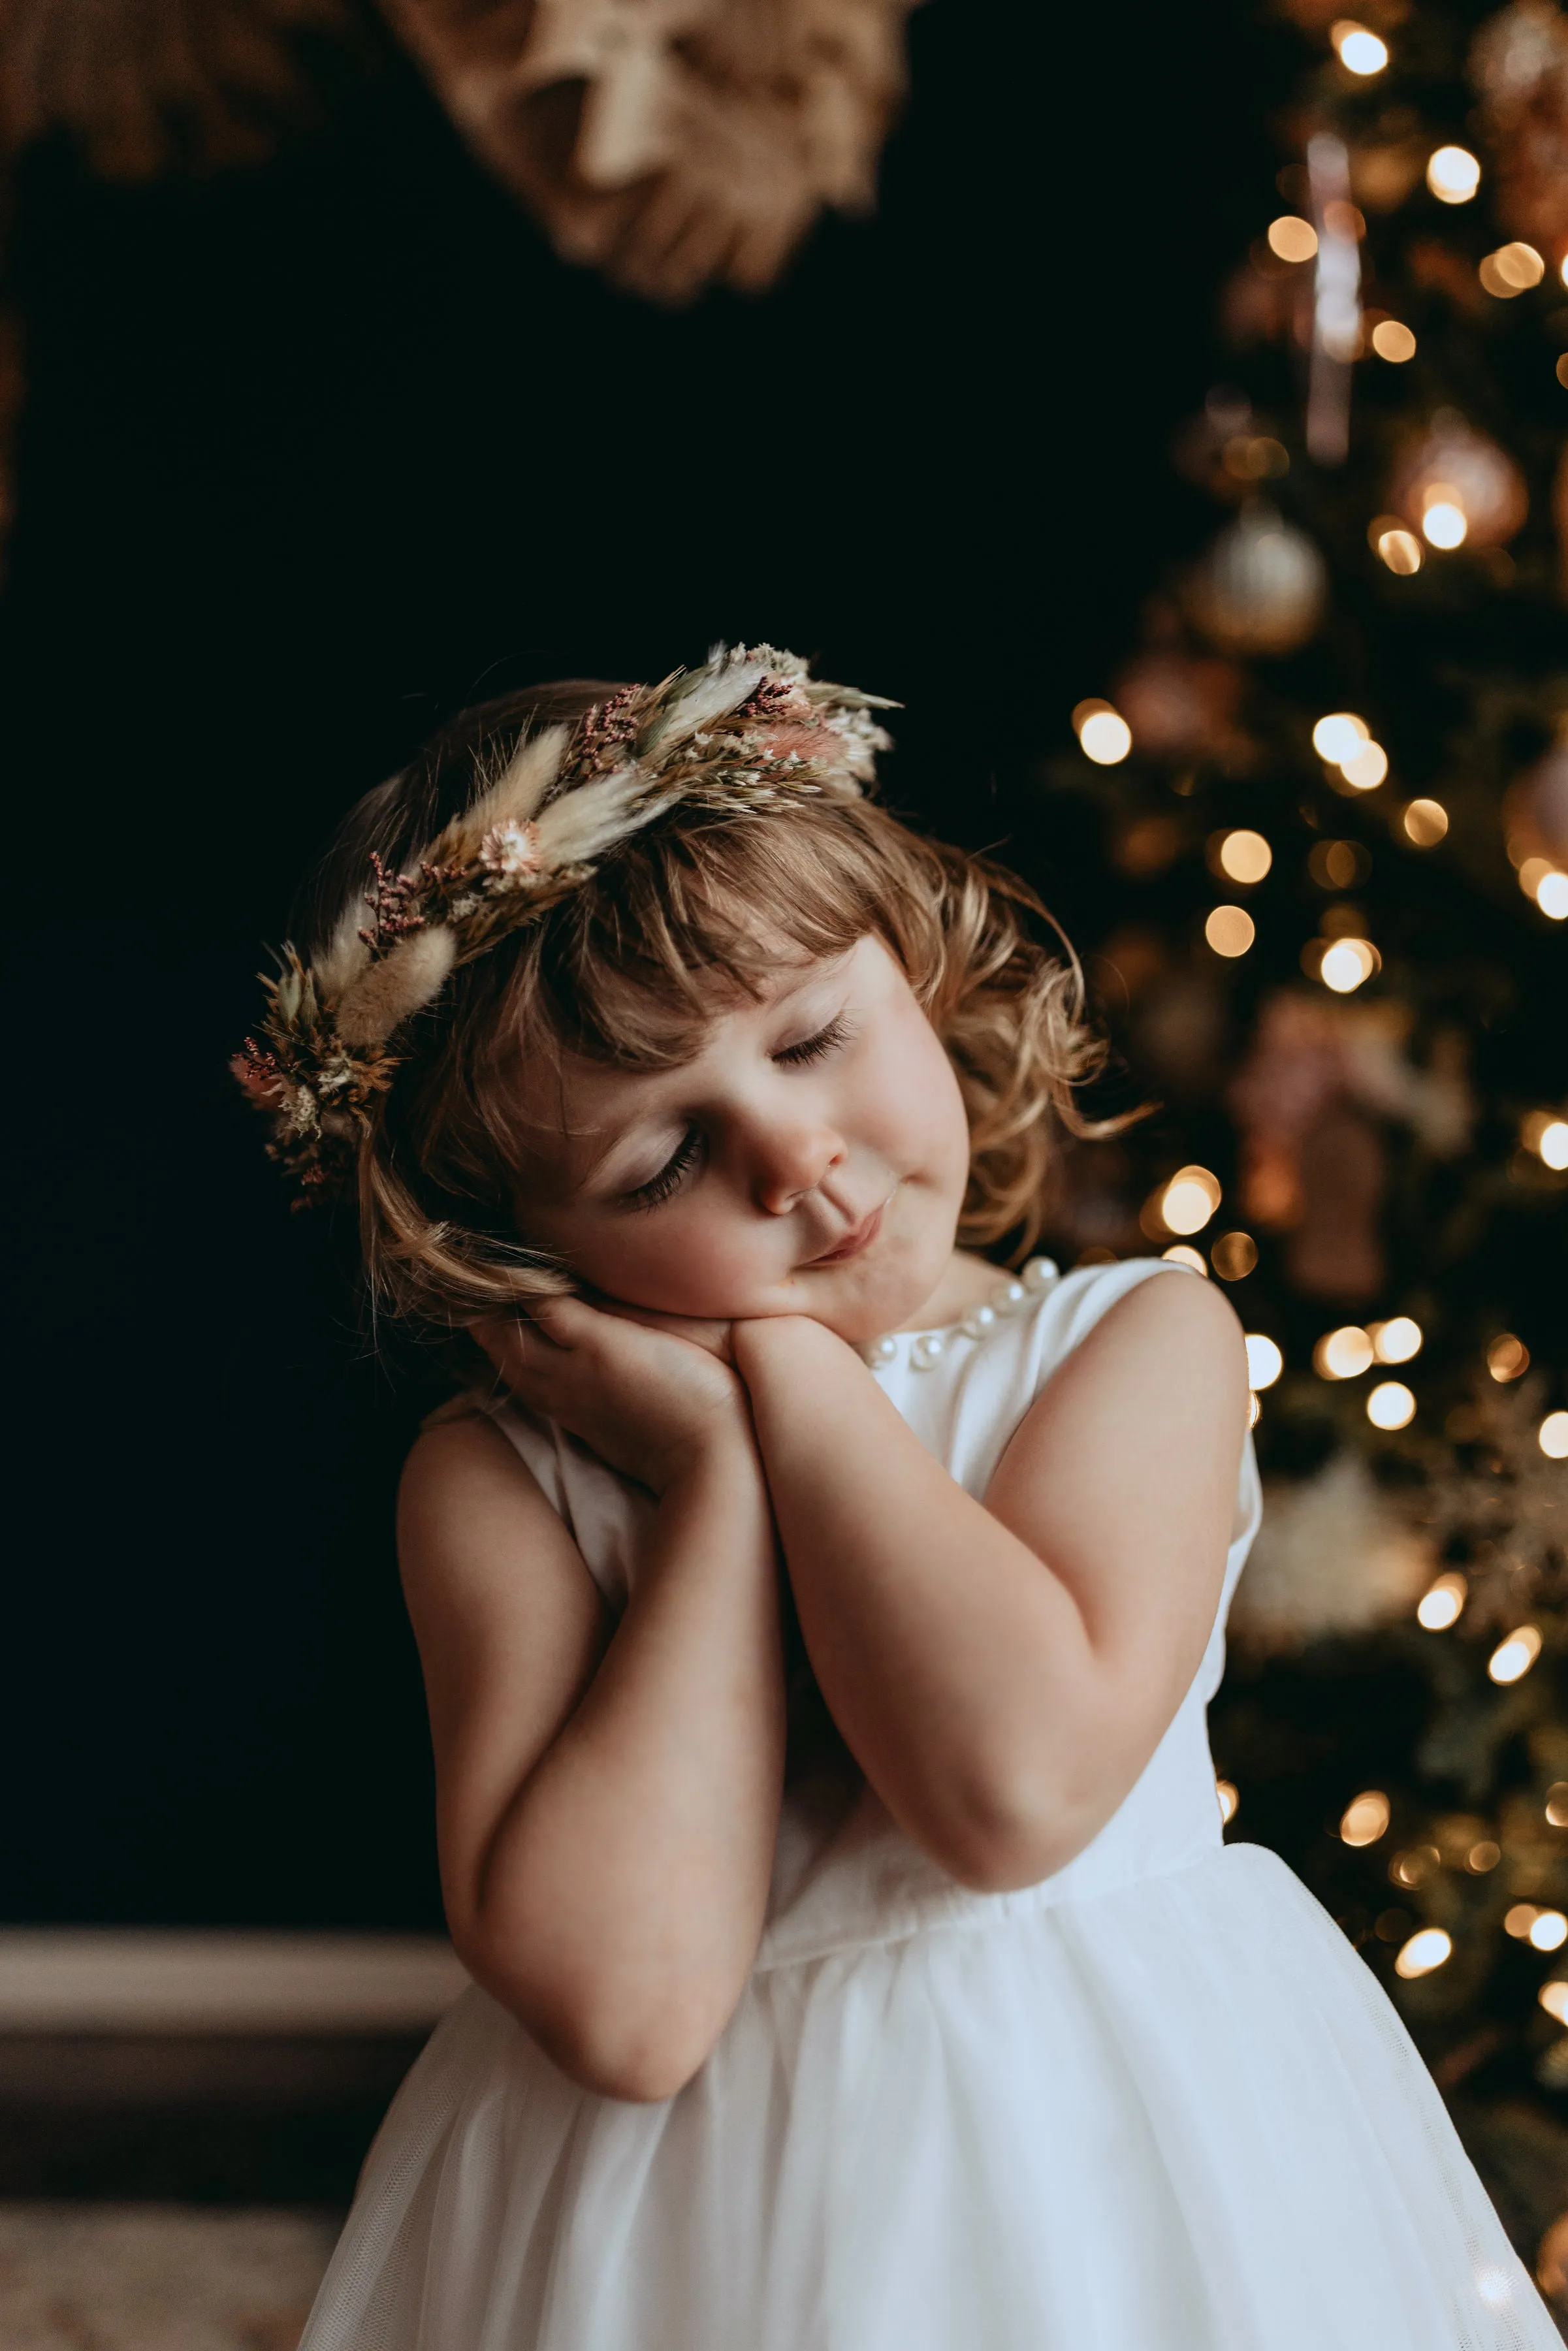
x=1553 y=1999
x=1547 y=1135
x=1292 y=238
x=1104 y=735
x=1365 y=1818
x=1229 y=1799
x=1244 y=856
x=1549 y=1930
x=1181 y=1255
x=1391 y=340
x=1401 y=551
x=1511 y=1659
x=1366 y=767
x=1507 y=1358
x=1346 y=964
x=1512 y=269
x=1518 y=1919
x=1414 y=1867
x=1453 y=174
x=1189 y=1199
x=1443 y=1603
x=1426 y=822
x=1264 y=1361
x=1359 y=51
x=1553 y=1436
x=1335 y=865
x=1233 y=1256
x=1443 y=524
x=1483 y=1856
x=1397 y=1340
x=1428 y=1948
x=1344 y=1353
x=1557 y=1803
x=1229 y=930
x=1339 y=736
x=1391 y=1405
x=1551 y=896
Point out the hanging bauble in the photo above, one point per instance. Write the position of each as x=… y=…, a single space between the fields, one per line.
x=1261 y=586
x=1452 y=465
x=1535 y=812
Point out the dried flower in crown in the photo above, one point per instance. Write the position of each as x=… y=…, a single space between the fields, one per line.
x=748 y=731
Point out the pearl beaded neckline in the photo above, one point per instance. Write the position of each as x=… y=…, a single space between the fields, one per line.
x=926 y=1348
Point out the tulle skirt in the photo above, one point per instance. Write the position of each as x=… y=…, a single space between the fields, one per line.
x=1178 y=2116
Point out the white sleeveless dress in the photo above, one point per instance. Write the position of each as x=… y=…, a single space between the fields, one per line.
x=1156 y=2103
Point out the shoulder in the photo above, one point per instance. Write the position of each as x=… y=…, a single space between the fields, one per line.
x=470 y=1509
x=1143 y=1297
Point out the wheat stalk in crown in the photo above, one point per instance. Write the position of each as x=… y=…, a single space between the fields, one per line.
x=748 y=731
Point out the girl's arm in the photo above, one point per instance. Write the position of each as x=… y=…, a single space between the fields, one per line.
x=607 y=1801
x=1003 y=1672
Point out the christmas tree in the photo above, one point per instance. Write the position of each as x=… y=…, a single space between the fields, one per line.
x=1329 y=797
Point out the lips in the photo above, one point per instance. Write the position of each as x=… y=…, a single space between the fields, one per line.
x=854 y=1242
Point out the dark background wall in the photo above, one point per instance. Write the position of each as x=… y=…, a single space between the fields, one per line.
x=313 y=454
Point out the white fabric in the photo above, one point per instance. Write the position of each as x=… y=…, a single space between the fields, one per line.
x=1153 y=2104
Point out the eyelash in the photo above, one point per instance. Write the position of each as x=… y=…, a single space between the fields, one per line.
x=659 y=1187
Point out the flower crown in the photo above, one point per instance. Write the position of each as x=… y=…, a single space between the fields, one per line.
x=747 y=732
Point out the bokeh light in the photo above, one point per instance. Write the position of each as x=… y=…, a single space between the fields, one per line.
x=1443 y=524
x=1233 y=1256
x=1428 y=1948
x=1553 y=1999
x=1228 y=1799
x=1546 y=1133
x=1553 y=1436
x=1264 y=1361
x=1557 y=1803
x=1229 y=930
x=1346 y=964
x=1189 y=1199
x=1426 y=823
x=1513 y=1659
x=1391 y=1405
x=1512 y=269
x=1551 y=896
x=1358 y=51
x=1395 y=1341
x=1507 y=1358
x=1453 y=174
x=1442 y=1602
x=1365 y=1818
x=1342 y=1354
x=1548 y=1931
x=1292 y=238
x=1401 y=551
x=1104 y=735
x=1365 y=768
x=1244 y=856
x=1391 y=340
x=1339 y=736
x=1179 y=1254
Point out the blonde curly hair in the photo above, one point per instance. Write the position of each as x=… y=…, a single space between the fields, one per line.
x=676 y=921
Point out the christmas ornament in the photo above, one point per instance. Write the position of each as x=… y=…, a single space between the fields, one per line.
x=1261 y=587
x=1520 y=64
x=1455 y=467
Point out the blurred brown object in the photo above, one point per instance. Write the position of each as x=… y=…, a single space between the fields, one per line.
x=673 y=144
x=1309 y=1101
x=1520 y=64
x=1452 y=459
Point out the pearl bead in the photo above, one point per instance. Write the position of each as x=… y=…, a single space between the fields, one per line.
x=877 y=1352
x=928 y=1350
x=979 y=1320
x=1038 y=1274
x=1010 y=1297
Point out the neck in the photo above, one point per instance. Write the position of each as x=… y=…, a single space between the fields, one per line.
x=967 y=1281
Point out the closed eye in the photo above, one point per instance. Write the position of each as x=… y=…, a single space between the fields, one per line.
x=659 y=1187
x=812 y=1049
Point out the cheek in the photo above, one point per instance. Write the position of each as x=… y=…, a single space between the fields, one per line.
x=686 y=1259
x=915 y=1104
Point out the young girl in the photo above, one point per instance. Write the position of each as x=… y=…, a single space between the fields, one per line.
x=818 y=1625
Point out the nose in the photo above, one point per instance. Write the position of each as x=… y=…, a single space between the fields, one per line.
x=792 y=1159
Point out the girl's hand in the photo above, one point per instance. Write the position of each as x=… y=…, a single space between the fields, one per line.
x=651 y=1393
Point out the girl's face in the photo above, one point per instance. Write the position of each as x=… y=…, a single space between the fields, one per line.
x=810 y=1158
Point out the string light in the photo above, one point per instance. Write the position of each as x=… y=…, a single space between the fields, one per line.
x=1553 y=1999
x=1264 y=1361
x=1181 y=1255
x=1342 y=1354
x=1391 y=1405
x=1104 y=735
x=1426 y=823
x=1513 y=1659
x=1557 y=1803
x=1453 y=174
x=1365 y=1818
x=1243 y=856
x=1507 y=1358
x=1512 y=269
x=1229 y=930
x=1233 y=1256
x=1428 y=1948
x=1547 y=1135
x=1397 y=1340
x=1443 y=1603
x=1401 y=551
x=1228 y=1800
x=1443 y=523
x=1391 y=340
x=1553 y=1436
x=1339 y=736
x=1346 y=963
x=1291 y=239
x=1359 y=51
x=1189 y=1199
